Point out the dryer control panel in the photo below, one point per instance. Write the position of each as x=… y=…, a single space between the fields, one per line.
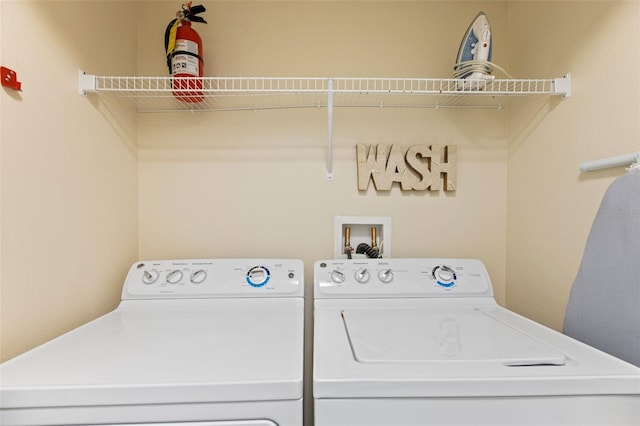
x=211 y=278
x=369 y=278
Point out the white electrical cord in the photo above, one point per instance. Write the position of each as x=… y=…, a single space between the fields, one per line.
x=479 y=66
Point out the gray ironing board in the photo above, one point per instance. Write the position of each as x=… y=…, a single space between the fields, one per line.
x=604 y=304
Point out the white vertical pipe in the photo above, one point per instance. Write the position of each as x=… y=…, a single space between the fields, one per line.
x=330 y=130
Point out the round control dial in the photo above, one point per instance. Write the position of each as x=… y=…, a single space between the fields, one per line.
x=337 y=276
x=362 y=275
x=386 y=275
x=258 y=276
x=174 y=276
x=150 y=277
x=445 y=276
x=197 y=277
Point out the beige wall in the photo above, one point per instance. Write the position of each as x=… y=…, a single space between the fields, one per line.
x=249 y=184
x=253 y=184
x=551 y=205
x=69 y=170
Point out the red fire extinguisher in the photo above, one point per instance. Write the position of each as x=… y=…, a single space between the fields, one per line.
x=184 y=54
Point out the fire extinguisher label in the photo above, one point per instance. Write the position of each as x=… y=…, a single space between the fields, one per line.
x=186 y=46
x=185 y=64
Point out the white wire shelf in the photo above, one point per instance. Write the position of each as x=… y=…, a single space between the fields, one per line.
x=155 y=94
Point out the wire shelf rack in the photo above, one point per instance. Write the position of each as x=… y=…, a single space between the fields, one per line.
x=172 y=94
x=167 y=94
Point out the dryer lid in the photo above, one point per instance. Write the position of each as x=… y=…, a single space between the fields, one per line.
x=432 y=336
x=167 y=352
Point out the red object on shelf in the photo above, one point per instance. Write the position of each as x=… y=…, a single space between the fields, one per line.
x=10 y=79
x=187 y=65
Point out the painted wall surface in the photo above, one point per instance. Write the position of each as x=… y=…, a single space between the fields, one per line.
x=88 y=186
x=551 y=205
x=254 y=183
x=69 y=170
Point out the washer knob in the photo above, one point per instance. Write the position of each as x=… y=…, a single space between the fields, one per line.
x=197 y=277
x=337 y=276
x=386 y=275
x=445 y=276
x=174 y=276
x=149 y=277
x=362 y=275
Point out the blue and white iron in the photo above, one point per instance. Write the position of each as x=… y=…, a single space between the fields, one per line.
x=473 y=62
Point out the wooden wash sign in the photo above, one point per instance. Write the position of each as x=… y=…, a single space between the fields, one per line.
x=418 y=168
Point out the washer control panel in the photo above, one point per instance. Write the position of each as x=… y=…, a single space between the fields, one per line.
x=210 y=278
x=364 y=278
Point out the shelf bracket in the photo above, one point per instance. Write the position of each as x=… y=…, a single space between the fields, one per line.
x=86 y=83
x=330 y=129
x=562 y=86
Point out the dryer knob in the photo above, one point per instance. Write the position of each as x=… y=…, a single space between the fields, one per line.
x=258 y=276
x=197 y=277
x=337 y=276
x=362 y=275
x=149 y=277
x=174 y=276
x=386 y=275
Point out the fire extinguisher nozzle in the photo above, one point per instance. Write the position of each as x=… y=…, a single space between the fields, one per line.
x=197 y=9
x=192 y=11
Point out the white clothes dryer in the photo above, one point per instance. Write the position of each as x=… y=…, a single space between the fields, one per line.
x=408 y=342
x=204 y=342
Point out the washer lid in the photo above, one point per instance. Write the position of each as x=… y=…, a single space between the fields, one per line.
x=406 y=348
x=427 y=336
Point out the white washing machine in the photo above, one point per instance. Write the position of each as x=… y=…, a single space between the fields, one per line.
x=407 y=342
x=193 y=342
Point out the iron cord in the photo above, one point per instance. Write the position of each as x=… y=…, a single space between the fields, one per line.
x=461 y=69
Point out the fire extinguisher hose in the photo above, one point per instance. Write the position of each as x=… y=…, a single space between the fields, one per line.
x=166 y=42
